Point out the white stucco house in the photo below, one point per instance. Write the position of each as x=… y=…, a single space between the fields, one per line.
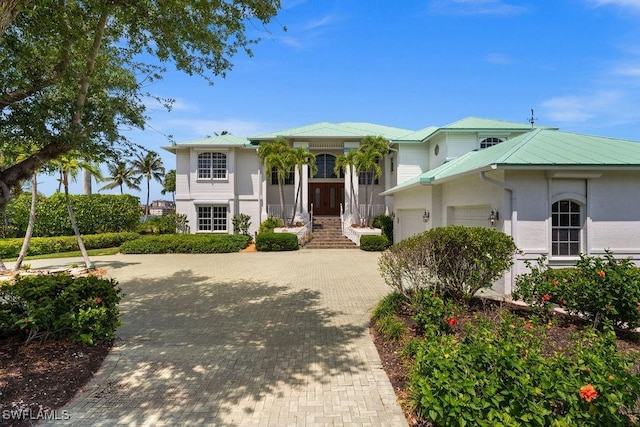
x=557 y=194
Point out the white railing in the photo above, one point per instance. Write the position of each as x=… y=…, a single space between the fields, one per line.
x=276 y=210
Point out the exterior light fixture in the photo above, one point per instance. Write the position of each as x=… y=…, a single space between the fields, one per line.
x=494 y=217
x=393 y=215
x=425 y=216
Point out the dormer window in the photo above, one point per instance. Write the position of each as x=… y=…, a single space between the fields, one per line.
x=490 y=142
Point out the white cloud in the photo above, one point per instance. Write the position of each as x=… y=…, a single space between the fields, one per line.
x=627 y=71
x=476 y=7
x=320 y=22
x=635 y=4
x=580 y=108
x=498 y=58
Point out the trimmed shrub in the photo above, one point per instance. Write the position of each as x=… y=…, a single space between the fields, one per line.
x=10 y=248
x=599 y=289
x=95 y=213
x=385 y=223
x=371 y=242
x=455 y=261
x=82 y=309
x=266 y=242
x=186 y=244
x=270 y=224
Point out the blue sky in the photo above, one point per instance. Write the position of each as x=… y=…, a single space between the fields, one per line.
x=416 y=63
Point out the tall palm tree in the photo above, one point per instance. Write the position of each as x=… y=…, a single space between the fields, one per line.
x=299 y=157
x=69 y=166
x=371 y=151
x=275 y=154
x=121 y=174
x=150 y=167
x=348 y=162
x=169 y=184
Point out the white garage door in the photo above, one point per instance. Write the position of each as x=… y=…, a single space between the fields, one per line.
x=471 y=216
x=410 y=222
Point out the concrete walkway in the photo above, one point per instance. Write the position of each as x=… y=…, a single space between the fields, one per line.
x=268 y=339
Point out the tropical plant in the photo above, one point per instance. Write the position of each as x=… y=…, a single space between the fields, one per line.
x=169 y=184
x=276 y=155
x=299 y=157
x=371 y=151
x=68 y=166
x=121 y=174
x=150 y=167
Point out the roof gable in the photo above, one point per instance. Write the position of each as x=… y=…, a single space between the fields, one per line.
x=334 y=130
x=226 y=140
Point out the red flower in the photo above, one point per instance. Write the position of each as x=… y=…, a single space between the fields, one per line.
x=601 y=273
x=546 y=297
x=98 y=300
x=554 y=283
x=588 y=392
x=452 y=321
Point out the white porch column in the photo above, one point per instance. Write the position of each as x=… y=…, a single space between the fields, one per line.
x=262 y=175
x=350 y=208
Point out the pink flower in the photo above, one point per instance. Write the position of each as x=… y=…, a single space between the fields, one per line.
x=546 y=297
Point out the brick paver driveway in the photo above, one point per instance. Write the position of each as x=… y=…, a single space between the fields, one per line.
x=242 y=339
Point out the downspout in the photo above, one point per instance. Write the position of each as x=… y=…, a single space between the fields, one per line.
x=514 y=218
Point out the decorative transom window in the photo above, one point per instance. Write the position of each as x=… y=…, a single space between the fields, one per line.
x=212 y=166
x=490 y=142
x=325 y=164
x=289 y=179
x=212 y=218
x=566 y=225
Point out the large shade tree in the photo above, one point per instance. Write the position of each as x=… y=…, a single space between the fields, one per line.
x=73 y=73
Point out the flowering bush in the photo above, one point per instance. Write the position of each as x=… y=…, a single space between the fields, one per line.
x=499 y=374
x=598 y=289
x=82 y=309
x=432 y=311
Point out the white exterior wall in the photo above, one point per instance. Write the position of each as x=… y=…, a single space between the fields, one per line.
x=458 y=144
x=436 y=160
x=409 y=207
x=413 y=160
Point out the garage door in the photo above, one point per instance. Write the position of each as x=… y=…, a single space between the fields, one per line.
x=471 y=216
x=410 y=222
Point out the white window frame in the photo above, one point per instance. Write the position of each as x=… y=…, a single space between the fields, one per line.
x=490 y=141
x=212 y=166
x=569 y=227
x=215 y=221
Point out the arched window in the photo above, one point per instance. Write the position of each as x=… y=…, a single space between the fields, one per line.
x=489 y=142
x=566 y=228
x=325 y=164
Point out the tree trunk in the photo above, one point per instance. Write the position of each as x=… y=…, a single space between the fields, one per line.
x=146 y=208
x=295 y=203
x=86 y=182
x=281 y=193
x=74 y=224
x=32 y=221
x=354 y=197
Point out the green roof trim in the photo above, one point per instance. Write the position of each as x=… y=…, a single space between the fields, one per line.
x=334 y=130
x=222 y=141
x=538 y=149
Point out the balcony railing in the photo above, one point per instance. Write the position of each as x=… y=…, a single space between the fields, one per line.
x=276 y=210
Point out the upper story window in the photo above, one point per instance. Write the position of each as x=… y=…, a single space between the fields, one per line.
x=325 y=164
x=212 y=166
x=490 y=142
x=289 y=179
x=566 y=228
x=365 y=178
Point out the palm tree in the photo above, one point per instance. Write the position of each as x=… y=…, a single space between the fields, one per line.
x=299 y=157
x=348 y=162
x=148 y=166
x=370 y=152
x=169 y=184
x=121 y=175
x=68 y=166
x=275 y=154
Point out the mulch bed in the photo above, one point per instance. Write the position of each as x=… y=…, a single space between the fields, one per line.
x=38 y=378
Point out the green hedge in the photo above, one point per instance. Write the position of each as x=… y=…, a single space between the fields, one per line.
x=267 y=242
x=82 y=309
x=10 y=248
x=370 y=242
x=95 y=213
x=186 y=244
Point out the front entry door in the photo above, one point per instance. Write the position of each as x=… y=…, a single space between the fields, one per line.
x=326 y=197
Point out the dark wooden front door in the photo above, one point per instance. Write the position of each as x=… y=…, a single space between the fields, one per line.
x=326 y=197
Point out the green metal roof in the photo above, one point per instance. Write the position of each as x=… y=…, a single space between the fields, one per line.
x=419 y=135
x=478 y=123
x=227 y=140
x=334 y=130
x=538 y=149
